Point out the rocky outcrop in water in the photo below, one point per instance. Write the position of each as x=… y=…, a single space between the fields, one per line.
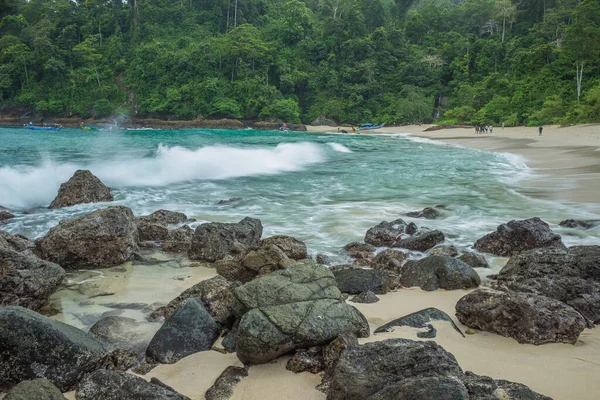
x=357 y=280
x=298 y=307
x=217 y=241
x=580 y=224
x=36 y=389
x=406 y=369
x=179 y=240
x=83 y=187
x=474 y=260
x=5 y=216
x=421 y=241
x=101 y=239
x=189 y=330
x=448 y=251
x=33 y=346
x=361 y=253
x=385 y=233
x=515 y=237
x=525 y=317
x=154 y=227
x=25 y=280
x=439 y=272
x=427 y=213
x=571 y=276
x=114 y=385
x=419 y=319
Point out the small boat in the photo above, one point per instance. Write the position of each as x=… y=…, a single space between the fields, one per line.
x=88 y=127
x=44 y=127
x=369 y=126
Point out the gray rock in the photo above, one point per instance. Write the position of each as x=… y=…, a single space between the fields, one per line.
x=222 y=389
x=419 y=319
x=525 y=317
x=362 y=253
x=386 y=233
x=151 y=232
x=331 y=356
x=163 y=217
x=448 y=251
x=5 y=216
x=365 y=298
x=215 y=293
x=424 y=388
x=298 y=307
x=101 y=239
x=358 y=280
x=323 y=259
x=580 y=224
x=113 y=385
x=486 y=388
x=189 y=330
x=125 y=333
x=411 y=228
x=307 y=360
x=421 y=241
x=33 y=346
x=14 y=242
x=27 y=281
x=389 y=260
x=474 y=260
x=517 y=236
x=179 y=240
x=217 y=241
x=83 y=187
x=229 y=201
x=571 y=276
x=439 y=272
x=36 y=389
x=427 y=213
x=292 y=247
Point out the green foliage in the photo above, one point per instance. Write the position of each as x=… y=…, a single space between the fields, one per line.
x=285 y=110
x=462 y=114
x=102 y=108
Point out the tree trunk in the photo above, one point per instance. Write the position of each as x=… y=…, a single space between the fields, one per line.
x=97 y=75
x=133 y=9
x=100 y=32
x=26 y=74
x=235 y=14
x=579 y=75
x=503 y=27
x=228 y=8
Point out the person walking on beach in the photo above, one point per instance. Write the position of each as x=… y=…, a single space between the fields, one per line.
x=540 y=129
x=491 y=129
x=476 y=129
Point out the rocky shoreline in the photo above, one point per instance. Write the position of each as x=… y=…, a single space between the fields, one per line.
x=270 y=299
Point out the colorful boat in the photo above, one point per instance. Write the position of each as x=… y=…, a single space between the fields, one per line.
x=369 y=126
x=44 y=127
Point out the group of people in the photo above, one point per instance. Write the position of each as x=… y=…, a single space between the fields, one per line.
x=484 y=129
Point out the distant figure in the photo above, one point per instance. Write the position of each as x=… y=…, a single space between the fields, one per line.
x=503 y=126
x=491 y=129
x=540 y=129
x=344 y=131
x=476 y=129
x=485 y=129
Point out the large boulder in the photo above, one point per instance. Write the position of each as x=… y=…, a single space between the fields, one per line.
x=179 y=240
x=391 y=261
x=36 y=389
x=27 y=281
x=421 y=241
x=486 y=388
x=216 y=295
x=358 y=280
x=101 y=239
x=292 y=247
x=14 y=242
x=525 y=317
x=33 y=346
x=217 y=241
x=298 y=307
x=474 y=260
x=439 y=272
x=83 y=187
x=114 y=385
x=571 y=276
x=189 y=330
x=362 y=253
x=163 y=217
x=125 y=333
x=385 y=233
x=515 y=237
x=258 y=262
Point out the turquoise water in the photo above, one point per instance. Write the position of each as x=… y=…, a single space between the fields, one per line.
x=324 y=189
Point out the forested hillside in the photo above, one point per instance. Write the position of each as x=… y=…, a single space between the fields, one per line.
x=472 y=61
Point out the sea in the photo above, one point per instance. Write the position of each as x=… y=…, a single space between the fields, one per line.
x=324 y=189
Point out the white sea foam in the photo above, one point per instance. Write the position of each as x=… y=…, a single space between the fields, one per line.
x=31 y=186
x=340 y=148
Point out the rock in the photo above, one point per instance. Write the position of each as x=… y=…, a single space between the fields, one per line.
x=27 y=281
x=5 y=216
x=448 y=251
x=419 y=319
x=358 y=280
x=411 y=228
x=439 y=272
x=486 y=388
x=525 y=317
x=361 y=252
x=33 y=346
x=517 y=236
x=189 y=330
x=365 y=370
x=322 y=121
x=14 y=242
x=234 y=271
x=113 y=385
x=386 y=233
x=391 y=261
x=216 y=294
x=365 y=298
x=309 y=360
x=331 y=356
x=216 y=241
x=578 y=224
x=421 y=241
x=424 y=388
x=83 y=187
x=152 y=232
x=36 y=389
x=179 y=240
x=125 y=333
x=266 y=259
x=101 y=239
x=298 y=307
x=323 y=259
x=229 y=201
x=163 y=217
x=222 y=389
x=292 y=247
x=427 y=213
x=474 y=260
x=571 y=276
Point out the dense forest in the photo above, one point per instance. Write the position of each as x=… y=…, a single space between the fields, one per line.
x=393 y=61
